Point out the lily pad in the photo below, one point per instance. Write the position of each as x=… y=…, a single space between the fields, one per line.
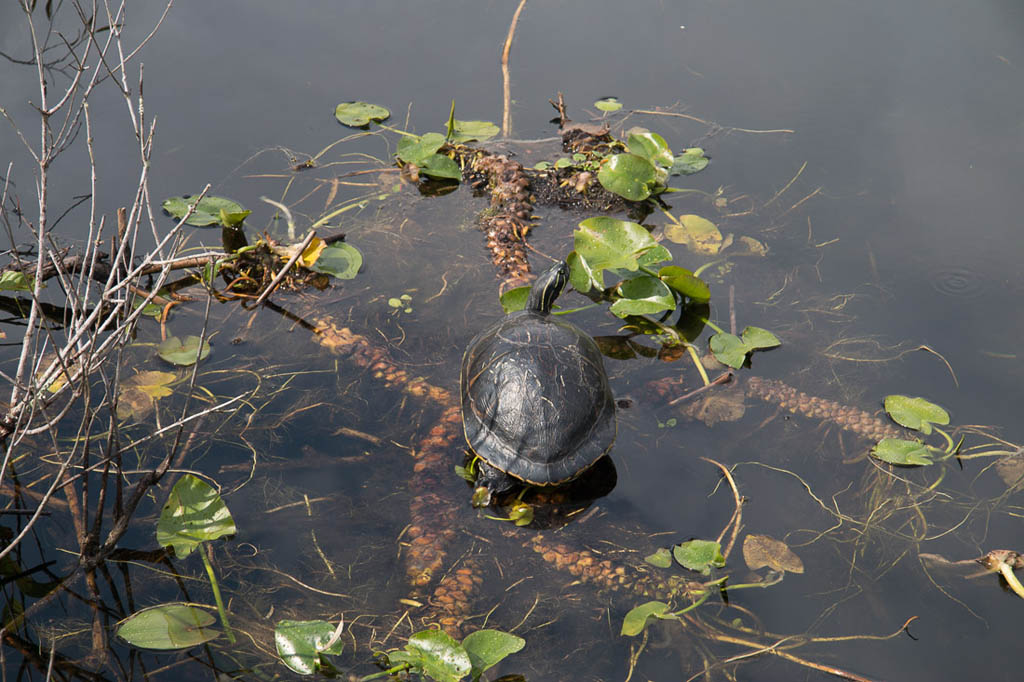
x=486 y=648
x=339 y=260
x=467 y=131
x=757 y=338
x=608 y=104
x=650 y=146
x=642 y=296
x=439 y=656
x=761 y=550
x=412 y=149
x=441 y=167
x=628 y=175
x=729 y=349
x=691 y=161
x=699 y=234
x=168 y=627
x=182 y=352
x=194 y=513
x=902 y=452
x=605 y=242
x=662 y=558
x=301 y=642
x=686 y=283
x=359 y=114
x=699 y=555
x=13 y=280
x=636 y=620
x=915 y=413
x=515 y=299
x=208 y=210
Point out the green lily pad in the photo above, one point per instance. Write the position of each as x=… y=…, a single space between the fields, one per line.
x=902 y=452
x=439 y=656
x=515 y=299
x=699 y=555
x=915 y=413
x=486 y=648
x=194 y=513
x=686 y=283
x=650 y=146
x=605 y=242
x=636 y=620
x=339 y=260
x=467 y=131
x=757 y=338
x=167 y=627
x=542 y=165
x=441 y=167
x=729 y=349
x=563 y=162
x=608 y=104
x=13 y=280
x=182 y=352
x=208 y=210
x=301 y=642
x=359 y=114
x=662 y=558
x=412 y=149
x=628 y=175
x=691 y=161
x=643 y=296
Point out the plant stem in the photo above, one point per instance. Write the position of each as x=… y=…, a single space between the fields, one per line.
x=711 y=324
x=216 y=594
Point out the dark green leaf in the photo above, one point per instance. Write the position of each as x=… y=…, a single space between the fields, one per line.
x=208 y=211
x=515 y=299
x=412 y=149
x=729 y=349
x=636 y=620
x=662 y=558
x=13 y=280
x=359 y=114
x=300 y=643
x=699 y=555
x=608 y=104
x=628 y=175
x=441 y=167
x=443 y=659
x=183 y=352
x=756 y=338
x=642 y=296
x=581 y=276
x=691 y=161
x=902 y=452
x=685 y=282
x=466 y=131
x=486 y=648
x=194 y=513
x=339 y=260
x=915 y=413
x=167 y=627
x=650 y=146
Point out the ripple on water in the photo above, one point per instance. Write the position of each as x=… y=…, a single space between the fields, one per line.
x=960 y=282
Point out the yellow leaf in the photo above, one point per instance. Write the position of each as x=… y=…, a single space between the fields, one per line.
x=699 y=234
x=312 y=252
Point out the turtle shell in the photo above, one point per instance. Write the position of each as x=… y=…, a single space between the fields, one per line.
x=535 y=398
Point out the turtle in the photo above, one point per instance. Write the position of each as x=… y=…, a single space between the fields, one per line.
x=536 y=404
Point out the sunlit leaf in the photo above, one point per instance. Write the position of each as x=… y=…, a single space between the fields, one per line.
x=654 y=255
x=194 y=513
x=761 y=550
x=650 y=146
x=168 y=627
x=233 y=219
x=563 y=162
x=642 y=296
x=636 y=620
x=606 y=242
x=729 y=349
x=339 y=260
x=685 y=282
x=662 y=558
x=182 y=352
x=699 y=555
x=359 y=114
x=691 y=161
x=581 y=276
x=14 y=280
x=443 y=659
x=208 y=211
x=466 y=131
x=608 y=104
x=515 y=299
x=412 y=149
x=628 y=175
x=915 y=413
x=312 y=252
x=486 y=648
x=300 y=643
x=902 y=452
x=699 y=234
x=757 y=338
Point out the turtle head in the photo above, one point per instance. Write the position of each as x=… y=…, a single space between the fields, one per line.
x=547 y=287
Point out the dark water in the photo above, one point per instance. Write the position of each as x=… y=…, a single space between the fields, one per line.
x=910 y=120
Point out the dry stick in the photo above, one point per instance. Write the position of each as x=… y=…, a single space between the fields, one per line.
x=506 y=113
x=284 y=271
x=708 y=123
x=737 y=515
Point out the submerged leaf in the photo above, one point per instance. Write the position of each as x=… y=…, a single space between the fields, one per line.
x=183 y=352
x=359 y=114
x=662 y=558
x=636 y=620
x=761 y=550
x=194 y=513
x=139 y=393
x=167 y=627
x=699 y=234
x=13 y=280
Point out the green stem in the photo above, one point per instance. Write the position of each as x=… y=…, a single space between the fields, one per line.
x=949 y=441
x=216 y=594
x=712 y=325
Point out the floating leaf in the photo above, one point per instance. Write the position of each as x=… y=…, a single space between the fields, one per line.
x=608 y=104
x=729 y=349
x=182 y=352
x=761 y=550
x=757 y=338
x=233 y=219
x=167 y=627
x=194 y=513
x=359 y=114
x=699 y=555
x=440 y=657
x=915 y=413
x=691 y=161
x=563 y=162
x=628 y=175
x=581 y=275
x=699 y=234
x=466 y=131
x=662 y=558
x=441 y=167
x=902 y=452
x=339 y=260
x=486 y=648
x=13 y=280
x=412 y=149
x=686 y=283
x=208 y=210
x=542 y=165
x=636 y=620
x=605 y=242
x=650 y=146
x=642 y=296
x=300 y=643
x=515 y=299
x=139 y=393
